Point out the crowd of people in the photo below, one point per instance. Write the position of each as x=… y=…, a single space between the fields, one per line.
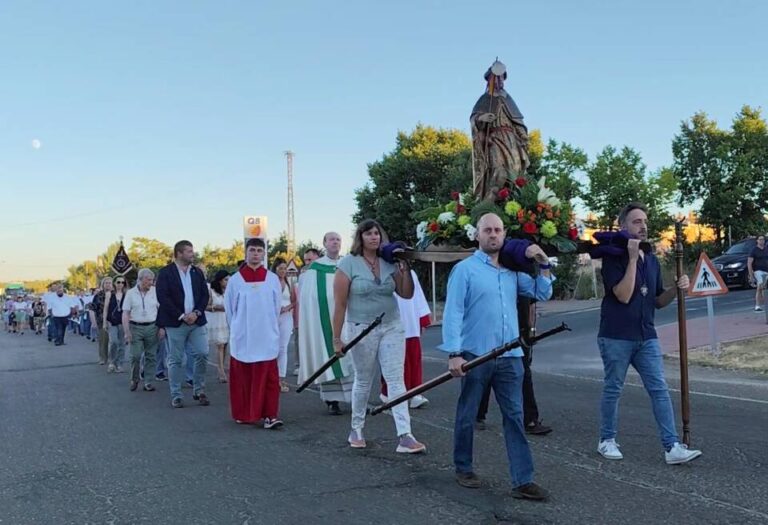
x=166 y=322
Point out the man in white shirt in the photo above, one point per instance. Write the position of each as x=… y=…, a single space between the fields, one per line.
x=139 y=315
x=60 y=307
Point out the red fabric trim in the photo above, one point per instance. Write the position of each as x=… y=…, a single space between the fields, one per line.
x=253 y=276
x=254 y=390
x=425 y=321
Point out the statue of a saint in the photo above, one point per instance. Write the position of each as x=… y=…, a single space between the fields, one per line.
x=499 y=137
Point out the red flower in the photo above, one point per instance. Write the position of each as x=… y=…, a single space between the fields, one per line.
x=530 y=227
x=433 y=227
x=460 y=209
x=520 y=182
x=455 y=195
x=504 y=193
x=573 y=234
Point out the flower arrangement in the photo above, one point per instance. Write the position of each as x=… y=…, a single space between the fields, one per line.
x=529 y=210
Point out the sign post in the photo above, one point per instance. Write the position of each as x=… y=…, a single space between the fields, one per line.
x=255 y=226
x=708 y=283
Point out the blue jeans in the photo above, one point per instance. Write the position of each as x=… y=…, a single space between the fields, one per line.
x=645 y=357
x=178 y=338
x=189 y=363
x=505 y=375
x=51 y=328
x=85 y=324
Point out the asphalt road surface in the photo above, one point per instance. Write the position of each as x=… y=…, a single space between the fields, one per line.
x=77 y=447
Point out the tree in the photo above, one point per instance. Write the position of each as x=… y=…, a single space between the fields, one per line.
x=560 y=164
x=422 y=171
x=149 y=253
x=726 y=171
x=278 y=248
x=215 y=259
x=618 y=178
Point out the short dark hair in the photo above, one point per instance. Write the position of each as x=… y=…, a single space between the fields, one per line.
x=364 y=226
x=255 y=241
x=313 y=250
x=629 y=208
x=179 y=247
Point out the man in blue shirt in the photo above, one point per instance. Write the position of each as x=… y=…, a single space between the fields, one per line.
x=633 y=291
x=480 y=315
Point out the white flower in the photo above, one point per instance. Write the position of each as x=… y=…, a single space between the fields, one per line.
x=446 y=217
x=471 y=232
x=461 y=199
x=421 y=230
x=546 y=195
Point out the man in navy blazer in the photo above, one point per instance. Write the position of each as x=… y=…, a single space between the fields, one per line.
x=183 y=296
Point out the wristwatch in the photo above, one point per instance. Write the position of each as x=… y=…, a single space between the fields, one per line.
x=197 y=313
x=455 y=354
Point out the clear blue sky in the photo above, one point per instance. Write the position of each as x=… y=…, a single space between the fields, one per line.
x=170 y=119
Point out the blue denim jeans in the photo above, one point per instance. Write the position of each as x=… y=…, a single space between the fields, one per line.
x=178 y=338
x=645 y=357
x=505 y=375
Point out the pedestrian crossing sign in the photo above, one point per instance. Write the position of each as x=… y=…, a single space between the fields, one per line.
x=707 y=280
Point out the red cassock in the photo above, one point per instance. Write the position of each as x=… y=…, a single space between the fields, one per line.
x=412 y=364
x=254 y=387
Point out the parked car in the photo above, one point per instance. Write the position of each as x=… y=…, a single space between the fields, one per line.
x=732 y=265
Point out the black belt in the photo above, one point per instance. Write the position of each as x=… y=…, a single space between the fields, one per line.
x=142 y=324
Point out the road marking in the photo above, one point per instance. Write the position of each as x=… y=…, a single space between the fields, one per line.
x=628 y=383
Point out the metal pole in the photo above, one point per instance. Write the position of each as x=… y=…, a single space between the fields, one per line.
x=683 y=336
x=434 y=294
x=594 y=278
x=712 y=328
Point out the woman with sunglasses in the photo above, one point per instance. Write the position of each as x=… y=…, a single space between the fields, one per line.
x=113 y=321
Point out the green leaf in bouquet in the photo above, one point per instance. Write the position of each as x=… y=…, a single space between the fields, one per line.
x=428 y=214
x=483 y=207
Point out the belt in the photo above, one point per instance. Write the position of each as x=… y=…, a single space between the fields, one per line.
x=142 y=324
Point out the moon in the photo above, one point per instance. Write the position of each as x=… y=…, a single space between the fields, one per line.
x=36 y=144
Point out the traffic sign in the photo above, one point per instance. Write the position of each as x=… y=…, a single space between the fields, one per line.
x=706 y=279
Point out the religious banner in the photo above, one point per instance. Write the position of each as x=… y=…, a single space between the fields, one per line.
x=121 y=264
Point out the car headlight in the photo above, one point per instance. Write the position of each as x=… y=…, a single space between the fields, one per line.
x=734 y=266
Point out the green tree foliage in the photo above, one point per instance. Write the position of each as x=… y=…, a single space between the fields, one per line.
x=724 y=170
x=423 y=169
x=149 y=253
x=617 y=178
x=215 y=259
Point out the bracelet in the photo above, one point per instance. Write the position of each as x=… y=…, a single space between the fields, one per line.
x=455 y=354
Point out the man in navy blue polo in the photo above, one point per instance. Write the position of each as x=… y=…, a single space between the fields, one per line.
x=627 y=336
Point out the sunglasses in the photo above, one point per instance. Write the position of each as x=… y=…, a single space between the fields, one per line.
x=119 y=282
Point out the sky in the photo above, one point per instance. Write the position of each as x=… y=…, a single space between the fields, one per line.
x=170 y=119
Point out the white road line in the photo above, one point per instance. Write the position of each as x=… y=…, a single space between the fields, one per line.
x=628 y=383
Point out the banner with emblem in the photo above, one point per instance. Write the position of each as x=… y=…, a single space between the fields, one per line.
x=121 y=264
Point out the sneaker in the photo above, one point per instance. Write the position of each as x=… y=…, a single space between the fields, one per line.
x=111 y=369
x=148 y=387
x=188 y=383
x=758 y=309
x=102 y=362
x=333 y=408
x=419 y=401
x=468 y=480
x=409 y=445
x=119 y=370
x=177 y=402
x=296 y=371
x=680 y=453
x=530 y=491
x=161 y=377
x=272 y=423
x=134 y=385
x=356 y=439
x=609 y=449
x=536 y=428
x=202 y=399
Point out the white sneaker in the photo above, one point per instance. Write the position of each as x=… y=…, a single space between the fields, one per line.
x=679 y=454
x=609 y=449
x=419 y=401
x=758 y=309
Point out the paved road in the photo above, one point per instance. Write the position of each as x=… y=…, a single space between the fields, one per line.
x=77 y=447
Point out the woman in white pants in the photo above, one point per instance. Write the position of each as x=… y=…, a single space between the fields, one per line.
x=363 y=288
x=287 y=310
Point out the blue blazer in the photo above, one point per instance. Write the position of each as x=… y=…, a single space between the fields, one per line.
x=170 y=295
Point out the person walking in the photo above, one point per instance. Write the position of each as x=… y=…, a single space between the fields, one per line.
x=218 y=328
